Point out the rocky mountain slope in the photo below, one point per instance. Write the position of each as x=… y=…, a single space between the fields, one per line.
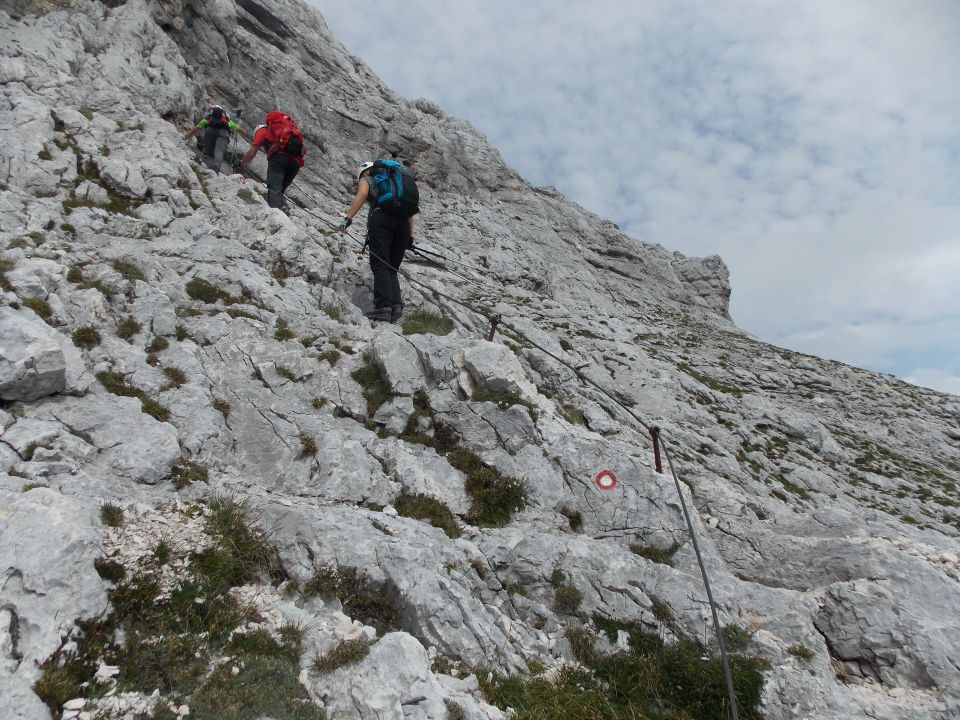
x=243 y=490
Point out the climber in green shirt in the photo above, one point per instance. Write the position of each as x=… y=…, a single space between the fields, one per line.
x=217 y=128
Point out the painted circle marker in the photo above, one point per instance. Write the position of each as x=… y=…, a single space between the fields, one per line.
x=605 y=480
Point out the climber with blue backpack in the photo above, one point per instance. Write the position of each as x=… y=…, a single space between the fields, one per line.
x=391 y=190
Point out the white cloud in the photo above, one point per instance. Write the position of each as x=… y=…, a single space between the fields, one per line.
x=935 y=379
x=814 y=145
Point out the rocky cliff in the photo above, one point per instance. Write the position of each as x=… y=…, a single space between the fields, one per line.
x=219 y=483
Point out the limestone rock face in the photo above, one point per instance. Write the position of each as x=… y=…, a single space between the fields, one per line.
x=35 y=360
x=188 y=325
x=411 y=691
x=494 y=367
x=47 y=548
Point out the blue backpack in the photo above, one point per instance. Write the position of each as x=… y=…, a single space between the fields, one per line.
x=394 y=188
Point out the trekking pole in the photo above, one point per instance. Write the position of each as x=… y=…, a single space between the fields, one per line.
x=236 y=133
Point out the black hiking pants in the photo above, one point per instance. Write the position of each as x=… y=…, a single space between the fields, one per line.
x=388 y=236
x=281 y=170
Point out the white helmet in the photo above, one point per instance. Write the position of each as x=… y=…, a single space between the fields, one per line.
x=364 y=167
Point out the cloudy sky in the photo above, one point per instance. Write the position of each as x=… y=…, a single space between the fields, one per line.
x=814 y=146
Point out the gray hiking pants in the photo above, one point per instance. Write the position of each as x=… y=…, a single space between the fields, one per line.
x=215 y=142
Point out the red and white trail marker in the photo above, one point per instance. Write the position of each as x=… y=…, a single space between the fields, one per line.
x=605 y=480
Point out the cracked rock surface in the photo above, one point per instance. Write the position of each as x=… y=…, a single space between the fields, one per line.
x=156 y=316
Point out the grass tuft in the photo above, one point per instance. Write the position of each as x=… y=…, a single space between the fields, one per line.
x=362 y=599
x=347 y=654
x=285 y=372
x=651 y=680
x=423 y=321
x=202 y=290
x=129 y=270
x=661 y=611
x=655 y=554
x=117 y=384
x=157 y=344
x=283 y=331
x=111 y=515
x=375 y=387
x=308 y=446
x=568 y=599
x=186 y=472
x=495 y=497
x=86 y=337
x=331 y=356
x=40 y=306
x=735 y=638
x=424 y=507
x=505 y=399
x=570 y=412
x=241 y=555
x=574 y=517
x=6 y=265
x=109 y=570
x=75 y=275
x=162 y=553
x=175 y=376
x=128 y=328
x=207 y=292
x=222 y=407
x=265 y=686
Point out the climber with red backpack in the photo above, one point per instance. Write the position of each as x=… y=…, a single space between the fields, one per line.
x=281 y=139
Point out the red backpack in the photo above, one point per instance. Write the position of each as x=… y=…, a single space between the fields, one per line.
x=284 y=135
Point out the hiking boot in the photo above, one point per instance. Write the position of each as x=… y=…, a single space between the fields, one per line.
x=379 y=314
x=396 y=312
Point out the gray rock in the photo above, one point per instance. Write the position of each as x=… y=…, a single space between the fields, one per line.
x=47 y=549
x=147 y=449
x=395 y=414
x=399 y=361
x=362 y=691
x=421 y=471
x=35 y=360
x=495 y=367
x=876 y=637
